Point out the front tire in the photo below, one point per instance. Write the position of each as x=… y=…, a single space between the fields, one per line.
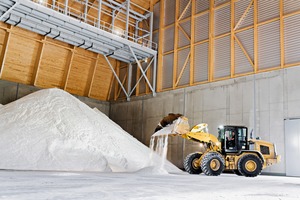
x=250 y=165
x=212 y=164
x=191 y=163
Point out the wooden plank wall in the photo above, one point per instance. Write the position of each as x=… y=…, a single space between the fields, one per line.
x=32 y=59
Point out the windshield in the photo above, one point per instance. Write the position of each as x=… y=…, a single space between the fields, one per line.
x=221 y=134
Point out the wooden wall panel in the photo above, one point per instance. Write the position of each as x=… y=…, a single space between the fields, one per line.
x=34 y=59
x=53 y=65
x=102 y=79
x=20 y=60
x=27 y=34
x=58 y=43
x=81 y=72
x=2 y=38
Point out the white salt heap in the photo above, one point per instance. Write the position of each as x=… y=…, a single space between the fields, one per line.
x=52 y=130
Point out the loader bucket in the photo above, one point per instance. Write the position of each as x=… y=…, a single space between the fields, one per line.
x=174 y=124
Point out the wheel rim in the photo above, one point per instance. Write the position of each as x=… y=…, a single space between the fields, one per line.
x=196 y=163
x=215 y=164
x=251 y=166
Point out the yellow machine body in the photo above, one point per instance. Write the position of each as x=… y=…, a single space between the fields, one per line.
x=256 y=149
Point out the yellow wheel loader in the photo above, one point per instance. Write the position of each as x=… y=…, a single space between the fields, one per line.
x=231 y=151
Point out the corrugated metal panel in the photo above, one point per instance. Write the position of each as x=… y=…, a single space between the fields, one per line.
x=222 y=20
x=169 y=12
x=186 y=26
x=247 y=40
x=156 y=18
x=183 y=40
x=242 y=65
x=167 y=71
x=291 y=6
x=182 y=55
x=202 y=5
x=201 y=62
x=185 y=79
x=222 y=57
x=268 y=9
x=168 y=39
x=220 y=2
x=182 y=6
x=201 y=27
x=134 y=75
x=269 y=45
x=292 y=39
x=240 y=8
x=123 y=72
x=142 y=86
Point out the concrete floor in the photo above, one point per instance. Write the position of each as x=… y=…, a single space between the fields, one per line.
x=77 y=185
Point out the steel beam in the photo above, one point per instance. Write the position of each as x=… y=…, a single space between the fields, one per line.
x=143 y=72
x=151 y=29
x=99 y=13
x=138 y=81
x=114 y=8
x=85 y=10
x=134 y=13
x=127 y=18
x=129 y=80
x=66 y=6
x=53 y=4
x=8 y=11
x=116 y=76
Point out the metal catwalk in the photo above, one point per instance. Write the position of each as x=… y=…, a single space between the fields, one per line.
x=64 y=23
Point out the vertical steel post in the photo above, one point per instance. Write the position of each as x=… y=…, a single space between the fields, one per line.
x=66 y=6
x=142 y=70
x=85 y=10
x=99 y=13
x=127 y=18
x=136 y=31
x=129 y=80
x=113 y=21
x=53 y=4
x=116 y=76
x=151 y=30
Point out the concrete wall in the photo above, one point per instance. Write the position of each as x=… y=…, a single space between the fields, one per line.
x=274 y=95
x=10 y=92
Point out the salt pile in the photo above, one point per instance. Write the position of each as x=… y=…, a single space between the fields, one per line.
x=52 y=130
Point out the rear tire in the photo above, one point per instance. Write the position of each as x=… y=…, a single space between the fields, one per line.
x=191 y=163
x=212 y=164
x=250 y=165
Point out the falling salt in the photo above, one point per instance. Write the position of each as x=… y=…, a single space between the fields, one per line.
x=159 y=144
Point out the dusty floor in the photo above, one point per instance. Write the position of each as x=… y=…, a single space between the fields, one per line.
x=31 y=185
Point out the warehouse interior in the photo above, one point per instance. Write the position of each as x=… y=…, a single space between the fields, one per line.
x=220 y=62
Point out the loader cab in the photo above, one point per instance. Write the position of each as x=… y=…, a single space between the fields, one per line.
x=233 y=138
